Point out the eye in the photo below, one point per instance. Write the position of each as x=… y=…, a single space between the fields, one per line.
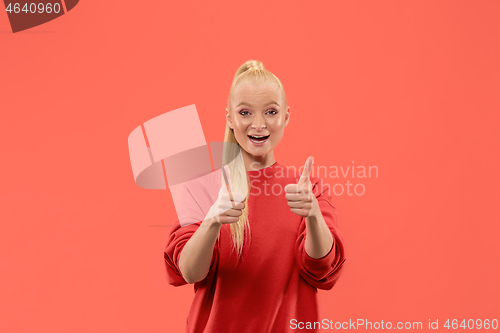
x=244 y=112
x=272 y=112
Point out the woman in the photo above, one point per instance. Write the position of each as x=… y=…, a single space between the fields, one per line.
x=257 y=263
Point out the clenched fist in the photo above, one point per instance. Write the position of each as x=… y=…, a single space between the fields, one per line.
x=301 y=199
x=229 y=205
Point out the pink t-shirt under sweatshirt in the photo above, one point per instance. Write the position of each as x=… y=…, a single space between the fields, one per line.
x=275 y=283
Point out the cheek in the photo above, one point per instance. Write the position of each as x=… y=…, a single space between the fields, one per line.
x=278 y=127
x=240 y=129
x=279 y=131
x=277 y=123
x=240 y=132
x=276 y=135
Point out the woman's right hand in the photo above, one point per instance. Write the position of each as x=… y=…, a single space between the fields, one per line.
x=226 y=210
x=229 y=205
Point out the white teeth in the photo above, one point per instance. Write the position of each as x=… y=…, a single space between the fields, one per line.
x=255 y=141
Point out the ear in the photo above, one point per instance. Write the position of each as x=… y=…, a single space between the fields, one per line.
x=229 y=121
x=287 y=115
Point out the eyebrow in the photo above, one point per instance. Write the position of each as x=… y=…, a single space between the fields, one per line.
x=247 y=104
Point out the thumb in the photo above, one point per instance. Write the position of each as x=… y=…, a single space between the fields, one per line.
x=227 y=180
x=307 y=171
x=226 y=175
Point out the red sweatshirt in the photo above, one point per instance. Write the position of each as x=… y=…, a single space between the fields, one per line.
x=275 y=284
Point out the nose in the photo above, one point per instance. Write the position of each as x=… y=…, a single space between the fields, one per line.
x=259 y=123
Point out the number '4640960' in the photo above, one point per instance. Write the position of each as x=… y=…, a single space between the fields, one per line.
x=34 y=8
x=472 y=324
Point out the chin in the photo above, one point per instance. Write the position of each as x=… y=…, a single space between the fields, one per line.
x=258 y=152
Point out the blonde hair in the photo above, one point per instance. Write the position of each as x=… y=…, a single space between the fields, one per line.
x=252 y=71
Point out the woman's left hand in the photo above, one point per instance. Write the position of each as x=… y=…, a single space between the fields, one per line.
x=301 y=199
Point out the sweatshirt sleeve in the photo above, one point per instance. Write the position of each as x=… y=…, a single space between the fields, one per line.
x=178 y=238
x=324 y=272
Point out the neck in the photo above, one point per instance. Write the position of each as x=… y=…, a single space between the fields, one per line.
x=257 y=162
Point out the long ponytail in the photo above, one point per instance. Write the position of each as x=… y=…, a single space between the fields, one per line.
x=252 y=71
x=239 y=183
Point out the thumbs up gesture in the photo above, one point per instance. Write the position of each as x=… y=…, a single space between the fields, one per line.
x=229 y=205
x=301 y=199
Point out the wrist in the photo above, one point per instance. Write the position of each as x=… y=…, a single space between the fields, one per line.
x=211 y=223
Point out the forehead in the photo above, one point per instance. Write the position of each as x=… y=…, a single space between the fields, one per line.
x=256 y=95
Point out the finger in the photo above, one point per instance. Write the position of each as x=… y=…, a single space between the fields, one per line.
x=224 y=197
x=298 y=196
x=227 y=210
x=232 y=212
x=301 y=212
x=299 y=204
x=238 y=197
x=239 y=205
x=226 y=175
x=294 y=188
x=226 y=205
x=307 y=171
x=223 y=219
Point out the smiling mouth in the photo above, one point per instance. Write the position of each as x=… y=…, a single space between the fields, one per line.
x=258 y=138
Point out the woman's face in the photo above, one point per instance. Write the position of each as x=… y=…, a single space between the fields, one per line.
x=257 y=117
